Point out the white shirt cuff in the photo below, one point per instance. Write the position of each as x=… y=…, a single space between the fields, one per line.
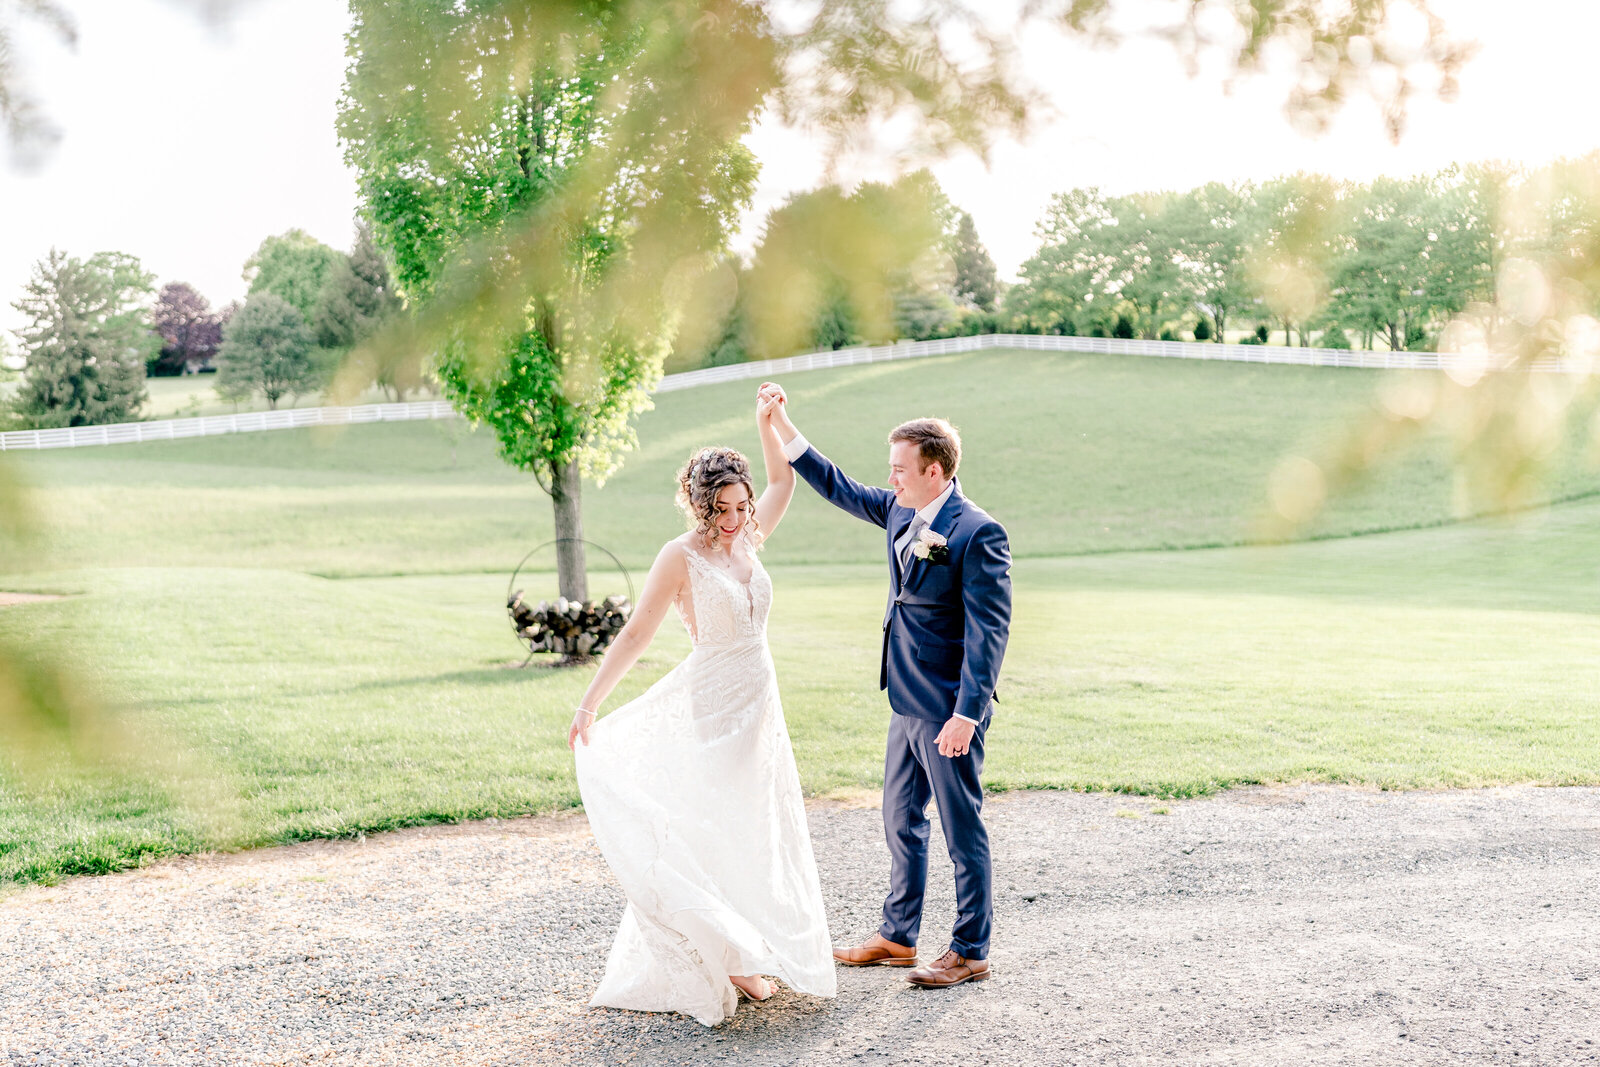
x=963 y=718
x=796 y=447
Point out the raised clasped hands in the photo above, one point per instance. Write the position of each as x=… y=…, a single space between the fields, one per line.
x=955 y=738
x=769 y=400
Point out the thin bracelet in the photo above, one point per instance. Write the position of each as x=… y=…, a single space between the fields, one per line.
x=583 y=709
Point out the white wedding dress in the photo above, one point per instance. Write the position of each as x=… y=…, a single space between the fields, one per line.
x=692 y=794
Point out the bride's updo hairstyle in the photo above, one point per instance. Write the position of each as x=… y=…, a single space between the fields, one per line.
x=708 y=472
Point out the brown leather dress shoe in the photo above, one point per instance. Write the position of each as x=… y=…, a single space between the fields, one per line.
x=948 y=970
x=877 y=952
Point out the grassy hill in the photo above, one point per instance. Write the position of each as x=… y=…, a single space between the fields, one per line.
x=1075 y=453
x=312 y=624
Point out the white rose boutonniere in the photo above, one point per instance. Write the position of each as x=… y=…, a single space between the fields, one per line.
x=930 y=546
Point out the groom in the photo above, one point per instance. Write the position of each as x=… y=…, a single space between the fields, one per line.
x=944 y=635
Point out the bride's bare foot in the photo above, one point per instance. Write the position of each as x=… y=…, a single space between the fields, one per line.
x=753 y=986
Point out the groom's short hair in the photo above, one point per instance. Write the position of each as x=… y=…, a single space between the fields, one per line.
x=936 y=441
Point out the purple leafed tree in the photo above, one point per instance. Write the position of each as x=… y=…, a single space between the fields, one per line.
x=190 y=331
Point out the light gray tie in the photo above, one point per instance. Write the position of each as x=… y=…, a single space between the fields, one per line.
x=902 y=547
x=902 y=555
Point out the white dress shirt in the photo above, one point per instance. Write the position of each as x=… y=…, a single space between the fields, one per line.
x=931 y=512
x=797 y=448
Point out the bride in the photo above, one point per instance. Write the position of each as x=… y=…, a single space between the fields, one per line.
x=691 y=788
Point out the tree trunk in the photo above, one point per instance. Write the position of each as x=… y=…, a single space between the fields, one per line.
x=1219 y=320
x=566 y=495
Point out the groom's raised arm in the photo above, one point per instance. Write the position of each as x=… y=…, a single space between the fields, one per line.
x=865 y=502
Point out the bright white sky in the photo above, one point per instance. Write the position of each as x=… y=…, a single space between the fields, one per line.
x=186 y=145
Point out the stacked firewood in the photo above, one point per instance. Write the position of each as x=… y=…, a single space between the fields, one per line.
x=568 y=627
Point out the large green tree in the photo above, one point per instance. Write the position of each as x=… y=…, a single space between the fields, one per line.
x=86 y=341
x=1296 y=226
x=1415 y=252
x=976 y=282
x=293 y=266
x=549 y=175
x=1066 y=286
x=266 y=349
x=834 y=269
x=1145 y=249
x=356 y=298
x=1380 y=269
x=547 y=181
x=1213 y=238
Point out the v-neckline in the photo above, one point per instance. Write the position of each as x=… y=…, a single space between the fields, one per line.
x=747 y=586
x=744 y=582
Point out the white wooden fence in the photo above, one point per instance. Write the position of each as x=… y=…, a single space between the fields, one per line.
x=295 y=418
x=205 y=426
x=1305 y=357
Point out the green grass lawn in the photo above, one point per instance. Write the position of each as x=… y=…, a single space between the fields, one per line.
x=188 y=395
x=315 y=623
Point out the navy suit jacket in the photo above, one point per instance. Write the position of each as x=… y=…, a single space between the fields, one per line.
x=945 y=632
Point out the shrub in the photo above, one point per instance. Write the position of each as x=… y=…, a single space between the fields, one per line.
x=1334 y=337
x=974 y=321
x=1203 y=329
x=1168 y=335
x=1123 y=328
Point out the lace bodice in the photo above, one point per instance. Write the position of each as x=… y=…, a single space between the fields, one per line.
x=722 y=609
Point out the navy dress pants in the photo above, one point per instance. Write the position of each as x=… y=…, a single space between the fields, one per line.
x=913 y=772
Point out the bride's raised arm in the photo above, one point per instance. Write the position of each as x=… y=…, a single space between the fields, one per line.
x=669 y=576
x=775 y=498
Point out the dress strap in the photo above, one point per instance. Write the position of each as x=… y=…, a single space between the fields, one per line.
x=696 y=557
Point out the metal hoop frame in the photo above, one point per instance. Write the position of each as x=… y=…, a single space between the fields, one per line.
x=511 y=586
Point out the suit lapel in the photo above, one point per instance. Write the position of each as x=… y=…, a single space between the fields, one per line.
x=942 y=524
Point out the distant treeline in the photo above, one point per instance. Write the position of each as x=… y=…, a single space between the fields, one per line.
x=1303 y=259
x=1299 y=259
x=97 y=328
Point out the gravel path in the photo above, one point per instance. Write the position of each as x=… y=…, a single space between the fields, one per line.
x=1291 y=925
